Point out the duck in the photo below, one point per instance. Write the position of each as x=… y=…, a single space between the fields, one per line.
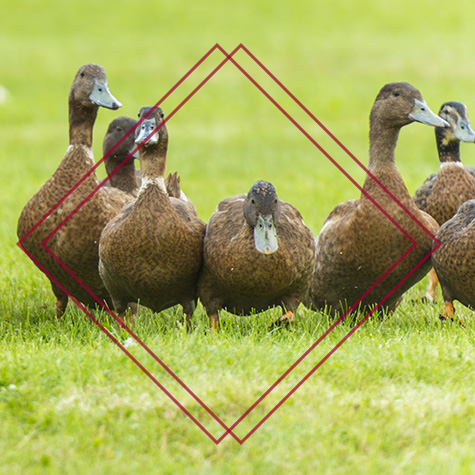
x=75 y=244
x=442 y=193
x=257 y=253
x=127 y=178
x=358 y=244
x=454 y=260
x=152 y=251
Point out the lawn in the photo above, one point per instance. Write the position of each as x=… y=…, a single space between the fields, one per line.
x=397 y=397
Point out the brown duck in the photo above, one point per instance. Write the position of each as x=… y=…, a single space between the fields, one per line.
x=442 y=193
x=258 y=253
x=152 y=250
x=127 y=178
x=454 y=260
x=358 y=243
x=75 y=243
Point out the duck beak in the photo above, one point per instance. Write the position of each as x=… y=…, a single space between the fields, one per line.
x=421 y=113
x=265 y=236
x=101 y=96
x=147 y=127
x=463 y=131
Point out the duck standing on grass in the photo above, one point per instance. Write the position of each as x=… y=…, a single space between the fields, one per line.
x=152 y=250
x=258 y=253
x=442 y=193
x=454 y=259
x=75 y=243
x=358 y=244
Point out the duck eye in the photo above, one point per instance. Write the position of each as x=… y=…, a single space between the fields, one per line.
x=252 y=201
x=396 y=93
x=82 y=74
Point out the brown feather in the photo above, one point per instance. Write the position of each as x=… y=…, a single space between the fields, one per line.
x=75 y=243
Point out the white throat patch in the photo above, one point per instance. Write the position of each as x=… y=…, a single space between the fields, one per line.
x=159 y=181
x=452 y=164
x=87 y=151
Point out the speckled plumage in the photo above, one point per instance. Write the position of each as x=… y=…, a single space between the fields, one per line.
x=357 y=243
x=239 y=278
x=152 y=250
x=442 y=193
x=454 y=260
x=76 y=243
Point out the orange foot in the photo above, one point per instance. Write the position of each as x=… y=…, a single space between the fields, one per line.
x=283 y=320
x=433 y=281
x=448 y=314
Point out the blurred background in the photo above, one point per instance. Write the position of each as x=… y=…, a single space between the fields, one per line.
x=333 y=56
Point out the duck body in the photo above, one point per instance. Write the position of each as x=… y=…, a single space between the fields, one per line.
x=75 y=244
x=239 y=277
x=454 y=259
x=151 y=251
x=358 y=244
x=443 y=195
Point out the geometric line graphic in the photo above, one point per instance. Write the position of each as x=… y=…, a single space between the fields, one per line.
x=229 y=430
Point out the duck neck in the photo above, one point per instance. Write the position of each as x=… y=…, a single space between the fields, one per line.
x=125 y=178
x=382 y=142
x=81 y=123
x=153 y=160
x=449 y=150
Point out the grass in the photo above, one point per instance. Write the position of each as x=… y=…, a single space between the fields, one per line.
x=397 y=397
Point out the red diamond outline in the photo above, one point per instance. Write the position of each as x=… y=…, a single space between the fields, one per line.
x=229 y=430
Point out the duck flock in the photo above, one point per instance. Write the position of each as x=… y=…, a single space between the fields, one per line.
x=137 y=239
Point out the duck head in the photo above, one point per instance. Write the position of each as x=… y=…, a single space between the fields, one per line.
x=455 y=113
x=399 y=103
x=152 y=129
x=90 y=88
x=117 y=130
x=261 y=211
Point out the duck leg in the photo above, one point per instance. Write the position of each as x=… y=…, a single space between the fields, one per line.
x=126 y=313
x=214 y=322
x=61 y=305
x=61 y=300
x=433 y=281
x=449 y=313
x=126 y=319
x=188 y=311
x=284 y=320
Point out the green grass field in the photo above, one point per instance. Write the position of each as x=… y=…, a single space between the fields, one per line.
x=397 y=397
